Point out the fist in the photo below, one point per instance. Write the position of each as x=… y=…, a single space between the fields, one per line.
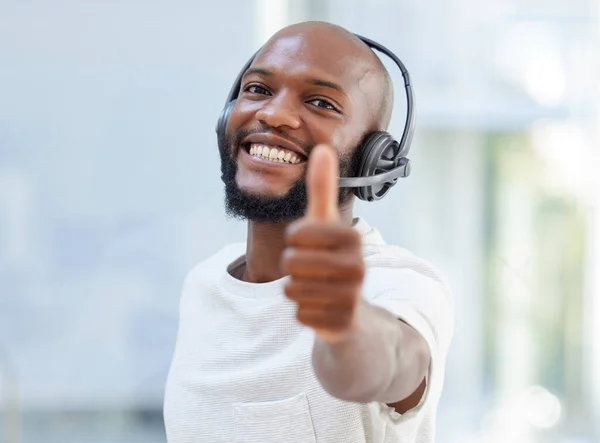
x=323 y=256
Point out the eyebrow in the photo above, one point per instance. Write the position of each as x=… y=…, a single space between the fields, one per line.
x=312 y=81
x=260 y=71
x=326 y=84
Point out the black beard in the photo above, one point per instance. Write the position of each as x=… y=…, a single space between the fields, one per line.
x=291 y=206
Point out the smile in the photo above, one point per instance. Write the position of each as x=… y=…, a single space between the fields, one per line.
x=275 y=154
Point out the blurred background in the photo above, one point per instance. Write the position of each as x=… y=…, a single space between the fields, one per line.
x=110 y=193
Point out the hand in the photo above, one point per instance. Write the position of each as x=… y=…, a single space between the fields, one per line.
x=323 y=256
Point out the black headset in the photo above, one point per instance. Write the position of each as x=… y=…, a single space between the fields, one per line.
x=383 y=159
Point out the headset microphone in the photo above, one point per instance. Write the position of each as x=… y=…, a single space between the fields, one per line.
x=402 y=170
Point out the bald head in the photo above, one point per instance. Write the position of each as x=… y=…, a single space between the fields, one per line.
x=337 y=43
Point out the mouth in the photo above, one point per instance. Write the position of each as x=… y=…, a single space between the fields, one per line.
x=273 y=153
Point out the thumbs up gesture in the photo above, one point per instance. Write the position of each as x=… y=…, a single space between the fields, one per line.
x=323 y=256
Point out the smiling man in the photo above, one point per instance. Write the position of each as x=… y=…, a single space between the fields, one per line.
x=314 y=330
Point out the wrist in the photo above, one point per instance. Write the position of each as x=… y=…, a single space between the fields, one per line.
x=357 y=364
x=361 y=323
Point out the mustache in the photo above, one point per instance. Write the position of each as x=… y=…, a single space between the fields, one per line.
x=243 y=133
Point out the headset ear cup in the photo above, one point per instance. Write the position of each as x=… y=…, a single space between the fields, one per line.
x=221 y=127
x=379 y=151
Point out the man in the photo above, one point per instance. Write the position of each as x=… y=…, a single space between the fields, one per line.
x=314 y=330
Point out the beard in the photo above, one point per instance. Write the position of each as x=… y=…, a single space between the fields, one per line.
x=290 y=206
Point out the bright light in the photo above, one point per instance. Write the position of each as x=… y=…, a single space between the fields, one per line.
x=270 y=16
x=540 y=408
x=567 y=156
x=520 y=416
x=529 y=56
x=544 y=79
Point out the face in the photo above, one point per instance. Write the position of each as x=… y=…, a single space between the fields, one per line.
x=293 y=97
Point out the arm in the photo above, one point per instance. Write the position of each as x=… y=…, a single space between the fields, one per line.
x=361 y=353
x=379 y=359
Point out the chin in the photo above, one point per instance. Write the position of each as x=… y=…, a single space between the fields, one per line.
x=263 y=187
x=263 y=192
x=265 y=203
x=257 y=193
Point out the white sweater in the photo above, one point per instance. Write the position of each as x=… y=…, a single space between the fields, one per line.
x=242 y=370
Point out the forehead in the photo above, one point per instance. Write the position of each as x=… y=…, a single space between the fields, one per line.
x=331 y=58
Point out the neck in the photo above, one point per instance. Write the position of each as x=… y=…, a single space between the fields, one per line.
x=266 y=243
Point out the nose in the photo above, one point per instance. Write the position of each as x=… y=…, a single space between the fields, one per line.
x=281 y=110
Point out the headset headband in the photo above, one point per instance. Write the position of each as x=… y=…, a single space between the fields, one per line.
x=384 y=159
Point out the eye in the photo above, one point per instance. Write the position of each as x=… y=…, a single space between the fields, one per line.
x=324 y=104
x=256 y=89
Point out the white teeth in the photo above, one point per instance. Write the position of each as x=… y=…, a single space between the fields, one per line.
x=273 y=154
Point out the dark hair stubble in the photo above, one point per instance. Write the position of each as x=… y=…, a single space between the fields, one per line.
x=291 y=206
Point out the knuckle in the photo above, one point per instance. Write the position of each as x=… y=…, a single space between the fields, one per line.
x=360 y=269
x=347 y=301
x=354 y=266
x=291 y=289
x=294 y=231
x=303 y=316
x=353 y=237
x=289 y=258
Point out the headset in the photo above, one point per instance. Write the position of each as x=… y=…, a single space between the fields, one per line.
x=383 y=159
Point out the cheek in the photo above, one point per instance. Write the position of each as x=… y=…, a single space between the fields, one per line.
x=344 y=134
x=240 y=116
x=343 y=142
x=328 y=134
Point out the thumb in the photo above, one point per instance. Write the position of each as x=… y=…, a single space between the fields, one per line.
x=322 y=184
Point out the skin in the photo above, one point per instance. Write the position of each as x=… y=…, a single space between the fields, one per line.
x=361 y=353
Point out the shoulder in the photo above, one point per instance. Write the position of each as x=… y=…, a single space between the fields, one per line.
x=409 y=286
x=213 y=266
x=396 y=266
x=415 y=292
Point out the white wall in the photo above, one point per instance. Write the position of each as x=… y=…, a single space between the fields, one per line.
x=107 y=115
